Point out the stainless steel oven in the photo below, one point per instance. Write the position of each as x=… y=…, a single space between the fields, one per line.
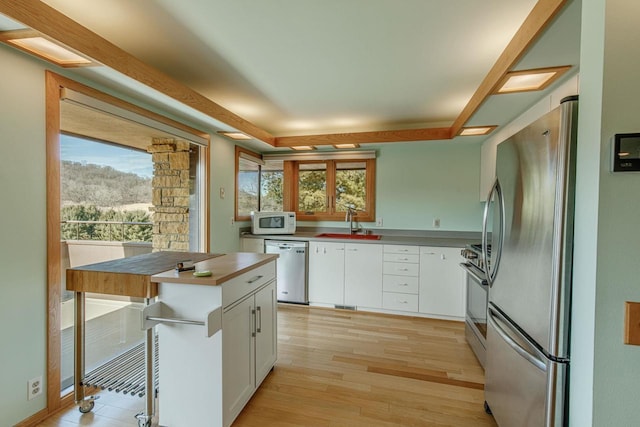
x=477 y=298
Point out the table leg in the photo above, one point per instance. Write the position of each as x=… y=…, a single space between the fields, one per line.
x=145 y=418
x=85 y=405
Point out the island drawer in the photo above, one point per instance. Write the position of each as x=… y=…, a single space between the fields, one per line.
x=248 y=282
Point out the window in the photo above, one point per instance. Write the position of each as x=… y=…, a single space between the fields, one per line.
x=259 y=184
x=320 y=188
x=325 y=189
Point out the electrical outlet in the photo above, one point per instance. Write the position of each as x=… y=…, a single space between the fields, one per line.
x=34 y=387
x=378 y=222
x=222 y=192
x=233 y=220
x=436 y=222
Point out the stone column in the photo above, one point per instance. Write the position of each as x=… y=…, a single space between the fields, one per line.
x=170 y=194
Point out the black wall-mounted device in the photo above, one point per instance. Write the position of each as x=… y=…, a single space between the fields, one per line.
x=626 y=152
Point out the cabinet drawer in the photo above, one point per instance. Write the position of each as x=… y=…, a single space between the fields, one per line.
x=401 y=268
x=401 y=249
x=401 y=284
x=248 y=282
x=411 y=258
x=402 y=302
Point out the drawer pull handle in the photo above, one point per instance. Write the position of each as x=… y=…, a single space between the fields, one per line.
x=403 y=259
x=403 y=284
x=403 y=269
x=404 y=302
x=403 y=250
x=255 y=279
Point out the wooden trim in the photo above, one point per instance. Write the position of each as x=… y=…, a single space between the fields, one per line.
x=34 y=419
x=425 y=134
x=47 y=20
x=541 y=14
x=54 y=272
x=206 y=154
x=289 y=172
x=59 y=27
x=101 y=96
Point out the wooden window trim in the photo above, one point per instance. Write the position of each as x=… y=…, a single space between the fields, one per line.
x=367 y=216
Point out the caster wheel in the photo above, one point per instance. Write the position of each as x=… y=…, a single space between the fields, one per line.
x=86 y=406
x=487 y=409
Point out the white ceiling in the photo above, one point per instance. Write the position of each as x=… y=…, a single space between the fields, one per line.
x=297 y=67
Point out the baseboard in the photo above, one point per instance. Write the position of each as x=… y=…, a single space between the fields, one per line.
x=34 y=419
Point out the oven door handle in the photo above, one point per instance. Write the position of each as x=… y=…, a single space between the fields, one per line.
x=476 y=276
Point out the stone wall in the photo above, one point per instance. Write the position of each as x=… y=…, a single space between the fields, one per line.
x=170 y=194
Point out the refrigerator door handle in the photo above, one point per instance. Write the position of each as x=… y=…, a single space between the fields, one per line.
x=492 y=271
x=535 y=360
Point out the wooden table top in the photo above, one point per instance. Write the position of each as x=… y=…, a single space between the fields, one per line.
x=223 y=268
x=128 y=276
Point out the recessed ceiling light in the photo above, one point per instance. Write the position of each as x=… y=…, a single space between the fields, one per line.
x=476 y=130
x=530 y=80
x=32 y=42
x=235 y=135
x=346 y=145
x=303 y=147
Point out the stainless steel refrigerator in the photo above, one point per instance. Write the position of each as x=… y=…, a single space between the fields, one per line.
x=531 y=231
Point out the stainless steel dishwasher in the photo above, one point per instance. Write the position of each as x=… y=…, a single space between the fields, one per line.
x=291 y=269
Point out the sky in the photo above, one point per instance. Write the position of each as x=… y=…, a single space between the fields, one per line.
x=123 y=159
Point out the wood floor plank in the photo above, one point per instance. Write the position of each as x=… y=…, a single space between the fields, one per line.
x=343 y=368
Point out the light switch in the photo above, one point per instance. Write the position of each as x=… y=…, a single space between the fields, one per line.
x=222 y=192
x=632 y=323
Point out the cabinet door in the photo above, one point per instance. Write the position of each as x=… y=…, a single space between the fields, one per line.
x=238 y=358
x=363 y=275
x=326 y=272
x=266 y=339
x=441 y=282
x=249 y=244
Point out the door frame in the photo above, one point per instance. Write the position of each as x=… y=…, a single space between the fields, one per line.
x=53 y=85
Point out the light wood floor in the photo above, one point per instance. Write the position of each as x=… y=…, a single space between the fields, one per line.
x=343 y=368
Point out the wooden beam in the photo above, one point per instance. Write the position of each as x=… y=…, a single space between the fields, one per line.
x=45 y=19
x=541 y=14
x=425 y=134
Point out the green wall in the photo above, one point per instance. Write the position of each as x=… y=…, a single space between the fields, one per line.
x=417 y=182
x=605 y=372
x=23 y=230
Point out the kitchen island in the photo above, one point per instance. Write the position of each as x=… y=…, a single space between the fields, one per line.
x=217 y=334
x=207 y=375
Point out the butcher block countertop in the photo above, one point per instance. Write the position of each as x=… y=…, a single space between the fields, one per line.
x=222 y=268
x=128 y=276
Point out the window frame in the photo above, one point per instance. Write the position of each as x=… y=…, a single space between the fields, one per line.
x=290 y=190
x=332 y=214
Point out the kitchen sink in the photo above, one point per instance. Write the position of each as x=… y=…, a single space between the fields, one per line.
x=350 y=236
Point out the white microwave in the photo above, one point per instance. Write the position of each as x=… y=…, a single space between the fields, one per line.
x=273 y=222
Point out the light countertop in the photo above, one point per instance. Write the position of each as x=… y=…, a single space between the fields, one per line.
x=223 y=269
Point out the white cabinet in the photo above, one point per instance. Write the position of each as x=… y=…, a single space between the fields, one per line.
x=326 y=273
x=363 y=275
x=400 y=281
x=249 y=348
x=441 y=282
x=250 y=244
x=345 y=274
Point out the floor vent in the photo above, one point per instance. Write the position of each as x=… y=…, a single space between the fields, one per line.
x=346 y=307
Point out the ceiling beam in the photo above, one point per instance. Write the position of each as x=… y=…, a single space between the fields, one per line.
x=537 y=20
x=427 y=134
x=43 y=18
x=47 y=20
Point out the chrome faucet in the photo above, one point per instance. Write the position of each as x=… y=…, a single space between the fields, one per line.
x=351 y=212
